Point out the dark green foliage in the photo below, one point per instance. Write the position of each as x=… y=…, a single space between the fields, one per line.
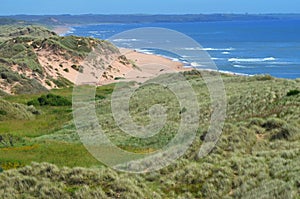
x=99 y=97
x=273 y=123
x=293 y=92
x=3 y=75
x=50 y=100
x=75 y=67
x=3 y=112
x=118 y=78
x=48 y=83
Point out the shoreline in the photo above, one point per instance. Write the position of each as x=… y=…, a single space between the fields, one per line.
x=184 y=67
x=181 y=66
x=62 y=30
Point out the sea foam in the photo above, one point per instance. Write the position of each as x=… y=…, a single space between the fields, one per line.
x=251 y=59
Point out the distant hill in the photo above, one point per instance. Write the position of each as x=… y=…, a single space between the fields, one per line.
x=9 y=21
x=141 y=18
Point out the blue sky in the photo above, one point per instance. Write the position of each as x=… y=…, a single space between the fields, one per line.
x=10 y=7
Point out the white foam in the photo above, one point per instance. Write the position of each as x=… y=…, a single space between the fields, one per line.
x=175 y=59
x=241 y=66
x=195 y=64
x=209 y=49
x=225 y=53
x=125 y=40
x=219 y=49
x=215 y=58
x=251 y=59
x=93 y=32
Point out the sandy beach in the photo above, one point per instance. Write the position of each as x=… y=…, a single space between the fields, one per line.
x=145 y=67
x=61 y=30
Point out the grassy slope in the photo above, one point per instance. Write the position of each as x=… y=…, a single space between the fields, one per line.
x=257 y=155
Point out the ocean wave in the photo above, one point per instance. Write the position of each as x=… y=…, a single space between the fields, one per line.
x=186 y=56
x=125 y=40
x=218 y=49
x=93 y=32
x=174 y=59
x=216 y=58
x=148 y=52
x=281 y=63
x=209 y=49
x=251 y=59
x=195 y=64
x=241 y=66
x=226 y=53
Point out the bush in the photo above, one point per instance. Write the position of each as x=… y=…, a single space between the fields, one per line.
x=48 y=83
x=50 y=100
x=118 y=78
x=292 y=92
x=3 y=76
x=3 y=112
x=75 y=67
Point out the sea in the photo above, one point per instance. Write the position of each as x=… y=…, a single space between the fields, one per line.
x=241 y=47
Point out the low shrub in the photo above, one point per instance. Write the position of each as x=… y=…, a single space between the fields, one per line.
x=50 y=100
x=293 y=92
x=3 y=112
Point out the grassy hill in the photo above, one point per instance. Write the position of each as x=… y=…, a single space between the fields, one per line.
x=257 y=155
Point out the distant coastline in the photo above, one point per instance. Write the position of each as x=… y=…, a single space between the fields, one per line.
x=62 y=20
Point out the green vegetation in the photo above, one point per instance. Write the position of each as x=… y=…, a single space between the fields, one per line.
x=50 y=100
x=48 y=181
x=15 y=111
x=257 y=155
x=13 y=31
x=293 y=92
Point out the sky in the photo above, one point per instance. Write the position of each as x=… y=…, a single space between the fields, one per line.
x=37 y=7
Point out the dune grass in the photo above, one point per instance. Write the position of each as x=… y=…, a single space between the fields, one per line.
x=257 y=154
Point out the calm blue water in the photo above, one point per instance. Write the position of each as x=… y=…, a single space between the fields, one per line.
x=252 y=47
